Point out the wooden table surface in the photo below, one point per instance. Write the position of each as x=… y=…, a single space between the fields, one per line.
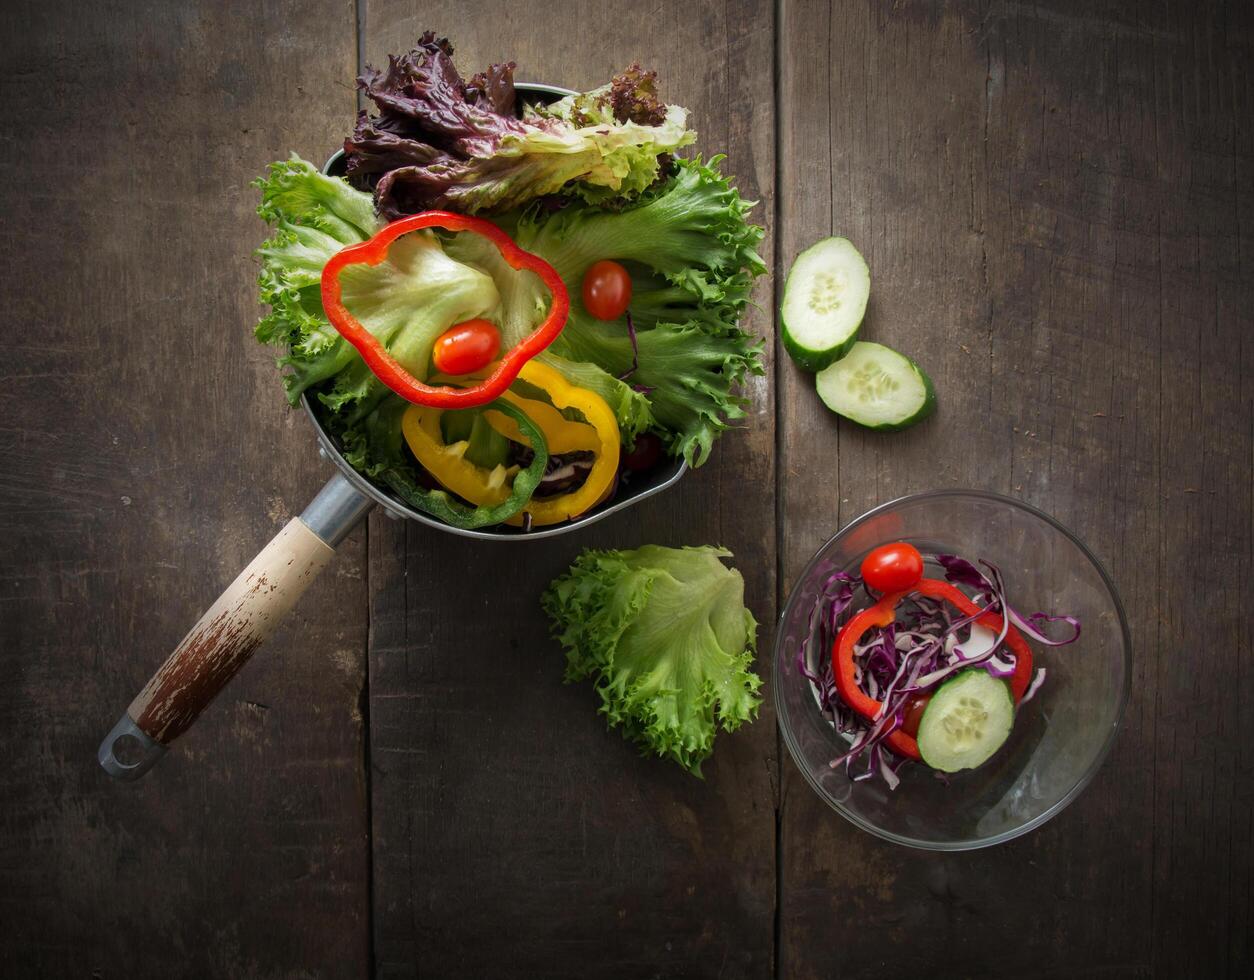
x=1056 y=201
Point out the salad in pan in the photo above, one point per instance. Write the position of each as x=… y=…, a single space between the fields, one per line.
x=503 y=309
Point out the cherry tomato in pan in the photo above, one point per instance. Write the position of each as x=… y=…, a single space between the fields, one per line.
x=466 y=347
x=606 y=290
x=892 y=567
x=644 y=454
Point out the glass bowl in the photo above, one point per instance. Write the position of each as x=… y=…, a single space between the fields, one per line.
x=1059 y=738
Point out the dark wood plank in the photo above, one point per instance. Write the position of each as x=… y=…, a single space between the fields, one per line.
x=1052 y=199
x=147 y=454
x=514 y=836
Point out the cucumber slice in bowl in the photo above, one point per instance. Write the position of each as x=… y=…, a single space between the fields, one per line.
x=824 y=302
x=968 y=719
x=875 y=386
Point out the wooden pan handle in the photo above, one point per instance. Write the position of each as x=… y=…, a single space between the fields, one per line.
x=233 y=627
x=226 y=636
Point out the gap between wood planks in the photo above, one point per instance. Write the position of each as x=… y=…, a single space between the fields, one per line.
x=777 y=369
x=359 y=21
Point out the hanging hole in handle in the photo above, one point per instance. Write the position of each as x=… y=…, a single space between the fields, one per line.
x=128 y=751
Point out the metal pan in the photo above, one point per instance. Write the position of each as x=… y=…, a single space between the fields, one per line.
x=253 y=605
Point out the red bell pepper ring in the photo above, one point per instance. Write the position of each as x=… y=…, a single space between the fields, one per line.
x=386 y=368
x=843 y=669
x=883 y=613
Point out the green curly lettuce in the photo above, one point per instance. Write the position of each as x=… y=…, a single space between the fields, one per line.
x=406 y=301
x=687 y=241
x=692 y=254
x=693 y=258
x=665 y=636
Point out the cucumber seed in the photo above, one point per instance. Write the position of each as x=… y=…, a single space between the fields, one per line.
x=826 y=291
x=964 y=724
x=872 y=383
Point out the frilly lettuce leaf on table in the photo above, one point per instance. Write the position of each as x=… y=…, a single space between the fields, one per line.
x=664 y=635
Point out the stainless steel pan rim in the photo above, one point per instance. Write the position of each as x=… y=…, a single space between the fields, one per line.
x=648 y=485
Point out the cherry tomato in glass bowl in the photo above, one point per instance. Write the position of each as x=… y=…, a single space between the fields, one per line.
x=892 y=567
x=466 y=347
x=914 y=713
x=606 y=290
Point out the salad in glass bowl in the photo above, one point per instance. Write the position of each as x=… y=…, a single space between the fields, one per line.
x=910 y=667
x=917 y=698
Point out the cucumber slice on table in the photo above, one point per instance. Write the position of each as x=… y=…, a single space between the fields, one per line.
x=968 y=719
x=875 y=386
x=824 y=302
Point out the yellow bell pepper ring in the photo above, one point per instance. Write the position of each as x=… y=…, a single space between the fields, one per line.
x=563 y=435
x=600 y=417
x=447 y=463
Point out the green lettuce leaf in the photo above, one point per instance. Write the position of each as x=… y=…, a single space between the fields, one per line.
x=406 y=301
x=616 y=158
x=693 y=257
x=665 y=636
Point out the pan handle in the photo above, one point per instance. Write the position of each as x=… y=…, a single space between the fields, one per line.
x=226 y=636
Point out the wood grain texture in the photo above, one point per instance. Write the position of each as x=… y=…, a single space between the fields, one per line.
x=1052 y=199
x=1055 y=200
x=147 y=455
x=513 y=835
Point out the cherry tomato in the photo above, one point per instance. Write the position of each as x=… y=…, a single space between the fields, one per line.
x=892 y=567
x=606 y=290
x=466 y=347
x=914 y=714
x=644 y=454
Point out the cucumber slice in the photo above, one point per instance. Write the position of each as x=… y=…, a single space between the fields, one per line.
x=824 y=302
x=968 y=719
x=875 y=386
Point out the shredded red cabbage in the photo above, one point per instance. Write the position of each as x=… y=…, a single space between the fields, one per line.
x=1035 y=686
x=927 y=644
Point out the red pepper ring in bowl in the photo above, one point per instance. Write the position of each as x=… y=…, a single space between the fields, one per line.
x=883 y=613
x=389 y=370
